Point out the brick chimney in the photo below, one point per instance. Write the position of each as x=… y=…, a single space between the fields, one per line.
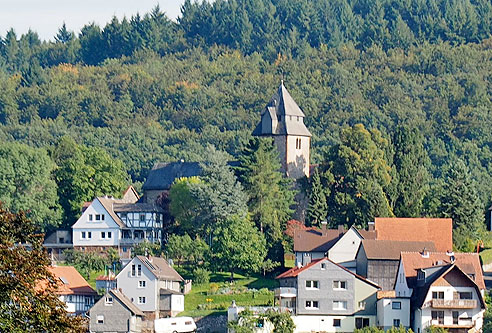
x=370 y=226
x=324 y=231
x=341 y=230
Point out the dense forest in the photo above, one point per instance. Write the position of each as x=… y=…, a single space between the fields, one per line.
x=147 y=89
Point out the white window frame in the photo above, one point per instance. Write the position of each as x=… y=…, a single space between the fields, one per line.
x=108 y=300
x=339 y=285
x=90 y=218
x=312 y=284
x=100 y=319
x=103 y=234
x=311 y=305
x=89 y=234
x=142 y=284
x=340 y=305
x=109 y=235
x=83 y=235
x=141 y=300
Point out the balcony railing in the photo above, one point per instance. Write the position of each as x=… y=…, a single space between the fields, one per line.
x=454 y=303
x=462 y=323
x=286 y=292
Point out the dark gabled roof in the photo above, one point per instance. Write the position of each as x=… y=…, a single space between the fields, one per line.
x=391 y=250
x=107 y=203
x=162 y=175
x=312 y=240
x=294 y=272
x=283 y=105
x=163 y=291
x=160 y=268
x=137 y=207
x=126 y=302
x=439 y=271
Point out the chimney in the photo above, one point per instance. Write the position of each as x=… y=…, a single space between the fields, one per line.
x=323 y=228
x=341 y=230
x=370 y=226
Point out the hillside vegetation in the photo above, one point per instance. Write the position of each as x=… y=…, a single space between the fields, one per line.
x=148 y=89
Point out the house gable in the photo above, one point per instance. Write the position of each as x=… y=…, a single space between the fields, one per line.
x=96 y=208
x=345 y=249
x=131 y=285
x=401 y=285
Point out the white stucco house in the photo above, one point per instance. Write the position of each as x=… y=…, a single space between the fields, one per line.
x=444 y=289
x=153 y=286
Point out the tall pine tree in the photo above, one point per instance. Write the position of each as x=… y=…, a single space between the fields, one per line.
x=270 y=194
x=318 y=207
x=411 y=181
x=460 y=201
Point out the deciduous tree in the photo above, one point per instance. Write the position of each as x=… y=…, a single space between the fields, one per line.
x=24 y=305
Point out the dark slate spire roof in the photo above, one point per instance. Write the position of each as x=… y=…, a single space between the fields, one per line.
x=282 y=116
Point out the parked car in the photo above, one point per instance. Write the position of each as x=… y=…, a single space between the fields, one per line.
x=175 y=325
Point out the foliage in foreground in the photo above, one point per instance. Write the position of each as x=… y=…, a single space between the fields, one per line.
x=247 y=321
x=27 y=289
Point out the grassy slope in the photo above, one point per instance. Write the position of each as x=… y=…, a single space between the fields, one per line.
x=200 y=293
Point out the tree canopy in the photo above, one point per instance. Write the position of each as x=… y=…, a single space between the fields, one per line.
x=24 y=305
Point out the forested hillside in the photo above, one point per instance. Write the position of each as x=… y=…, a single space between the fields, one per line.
x=148 y=89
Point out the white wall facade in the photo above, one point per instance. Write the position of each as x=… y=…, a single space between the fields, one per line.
x=345 y=249
x=177 y=304
x=475 y=314
x=305 y=258
x=131 y=285
x=305 y=324
x=387 y=315
x=297 y=159
x=87 y=225
x=401 y=286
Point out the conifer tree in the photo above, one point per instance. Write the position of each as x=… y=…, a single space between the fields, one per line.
x=460 y=201
x=270 y=194
x=318 y=207
x=219 y=196
x=411 y=179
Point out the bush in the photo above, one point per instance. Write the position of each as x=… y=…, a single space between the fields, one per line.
x=201 y=275
x=213 y=288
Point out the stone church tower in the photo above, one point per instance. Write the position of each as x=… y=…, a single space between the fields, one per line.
x=283 y=120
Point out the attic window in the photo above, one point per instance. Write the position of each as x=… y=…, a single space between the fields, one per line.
x=63 y=280
x=108 y=300
x=100 y=319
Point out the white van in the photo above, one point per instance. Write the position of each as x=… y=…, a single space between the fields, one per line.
x=174 y=325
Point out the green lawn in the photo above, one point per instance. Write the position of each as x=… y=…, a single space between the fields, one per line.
x=486 y=256
x=201 y=301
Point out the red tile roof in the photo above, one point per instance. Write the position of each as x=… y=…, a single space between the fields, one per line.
x=294 y=272
x=70 y=282
x=467 y=262
x=439 y=231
